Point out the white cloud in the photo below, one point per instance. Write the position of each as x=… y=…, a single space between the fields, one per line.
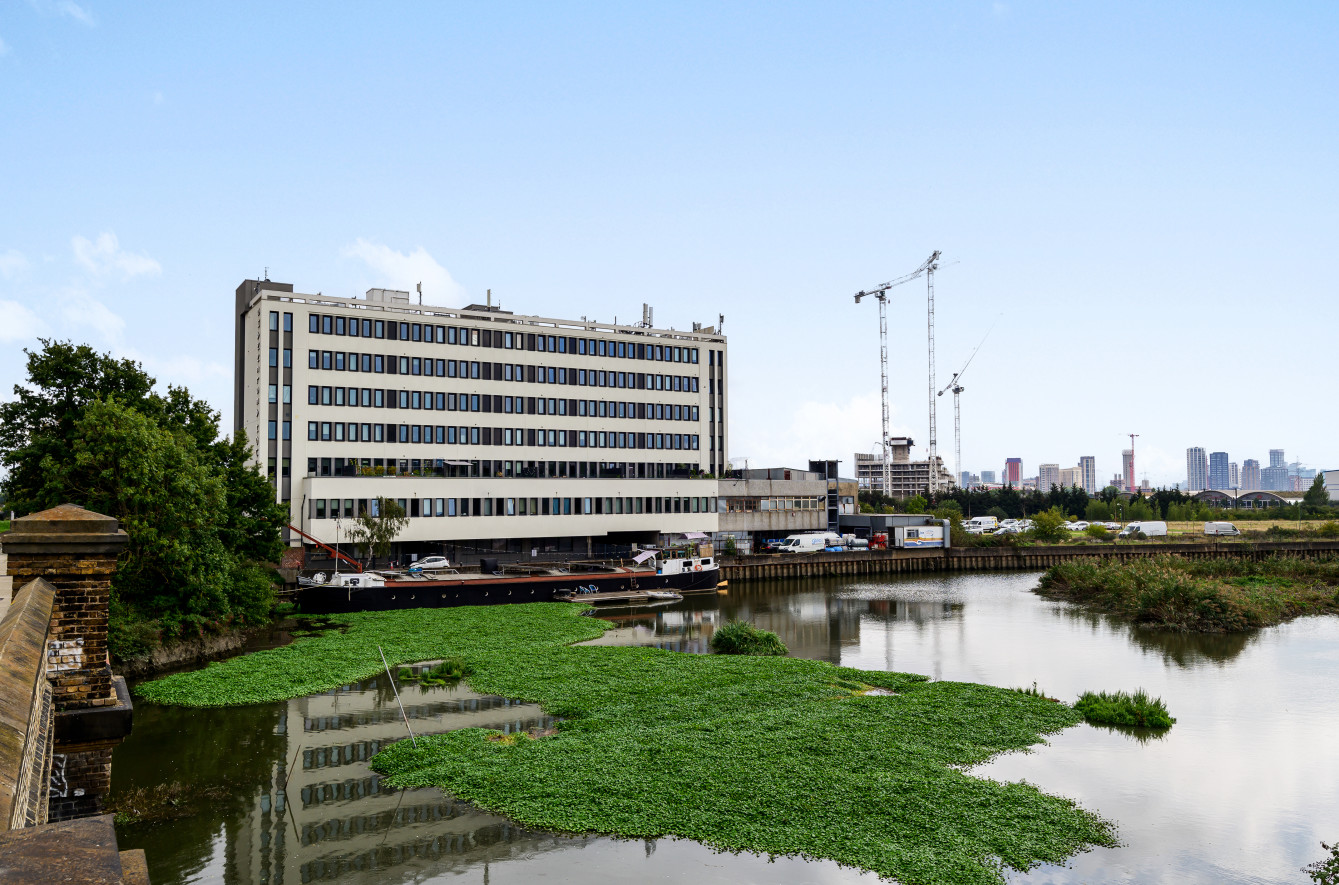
x=105 y=256
x=11 y=262
x=18 y=323
x=82 y=310
x=792 y=434
x=403 y=271
x=70 y=9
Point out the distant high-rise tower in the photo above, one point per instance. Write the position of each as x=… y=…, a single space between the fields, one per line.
x=1274 y=478
x=1197 y=469
x=1047 y=475
x=1218 y=472
x=1127 y=468
x=1250 y=474
x=1013 y=472
x=1276 y=458
x=1088 y=472
x=1233 y=475
x=988 y=476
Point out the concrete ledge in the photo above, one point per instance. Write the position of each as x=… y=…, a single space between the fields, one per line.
x=23 y=636
x=94 y=724
x=76 y=852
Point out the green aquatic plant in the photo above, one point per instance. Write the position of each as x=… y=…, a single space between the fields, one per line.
x=776 y=755
x=1136 y=710
x=1325 y=871
x=742 y=638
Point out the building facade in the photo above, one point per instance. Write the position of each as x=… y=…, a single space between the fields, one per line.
x=1250 y=474
x=496 y=432
x=908 y=477
x=1274 y=478
x=1233 y=475
x=1219 y=474
x=1071 y=477
x=988 y=477
x=1013 y=472
x=1197 y=469
x=1088 y=474
x=1048 y=475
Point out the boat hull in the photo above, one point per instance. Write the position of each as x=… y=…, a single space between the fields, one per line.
x=447 y=592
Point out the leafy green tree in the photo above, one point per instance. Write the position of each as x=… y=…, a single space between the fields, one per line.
x=1097 y=511
x=916 y=504
x=374 y=532
x=251 y=519
x=997 y=512
x=1316 y=498
x=1049 y=525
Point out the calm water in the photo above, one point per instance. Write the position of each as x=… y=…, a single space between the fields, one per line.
x=1242 y=789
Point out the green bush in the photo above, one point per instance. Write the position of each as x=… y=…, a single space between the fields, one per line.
x=1325 y=872
x=1328 y=529
x=1120 y=708
x=1049 y=525
x=741 y=638
x=1099 y=532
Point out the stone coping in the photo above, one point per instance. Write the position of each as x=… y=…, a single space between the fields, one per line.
x=73 y=852
x=23 y=636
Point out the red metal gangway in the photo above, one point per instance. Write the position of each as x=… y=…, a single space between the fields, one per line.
x=325 y=546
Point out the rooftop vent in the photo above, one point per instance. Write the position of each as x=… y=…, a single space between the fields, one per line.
x=390 y=295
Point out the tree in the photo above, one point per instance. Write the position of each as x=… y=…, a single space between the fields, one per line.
x=1049 y=525
x=373 y=532
x=251 y=518
x=916 y=504
x=1316 y=497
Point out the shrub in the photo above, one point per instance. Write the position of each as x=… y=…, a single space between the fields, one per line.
x=1121 y=708
x=741 y=638
x=1049 y=525
x=1099 y=532
x=1328 y=529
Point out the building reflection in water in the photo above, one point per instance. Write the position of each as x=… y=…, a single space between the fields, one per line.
x=336 y=820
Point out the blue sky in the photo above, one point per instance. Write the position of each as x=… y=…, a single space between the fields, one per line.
x=1144 y=195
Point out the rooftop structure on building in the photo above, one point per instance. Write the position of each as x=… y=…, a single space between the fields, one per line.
x=497 y=432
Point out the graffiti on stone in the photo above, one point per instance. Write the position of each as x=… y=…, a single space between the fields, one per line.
x=65 y=654
x=60 y=787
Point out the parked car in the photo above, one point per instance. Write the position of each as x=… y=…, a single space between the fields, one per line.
x=1221 y=528
x=432 y=562
x=1111 y=526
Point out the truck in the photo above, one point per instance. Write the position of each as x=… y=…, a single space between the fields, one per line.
x=1154 y=529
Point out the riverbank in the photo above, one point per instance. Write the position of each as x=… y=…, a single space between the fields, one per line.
x=778 y=756
x=212 y=647
x=1217 y=595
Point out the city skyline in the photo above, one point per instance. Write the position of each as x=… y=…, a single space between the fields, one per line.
x=707 y=161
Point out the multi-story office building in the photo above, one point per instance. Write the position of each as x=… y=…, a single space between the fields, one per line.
x=1219 y=477
x=1013 y=472
x=908 y=477
x=1233 y=475
x=1250 y=474
x=988 y=477
x=1274 y=478
x=1197 y=469
x=1088 y=474
x=494 y=431
x=1071 y=477
x=1048 y=475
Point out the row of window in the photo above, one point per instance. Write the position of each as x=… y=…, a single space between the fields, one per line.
x=390 y=364
x=349 y=508
x=339 y=431
x=752 y=505
x=462 y=469
x=354 y=327
x=428 y=400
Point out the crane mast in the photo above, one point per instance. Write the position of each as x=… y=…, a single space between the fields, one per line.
x=880 y=292
x=957 y=389
x=930 y=266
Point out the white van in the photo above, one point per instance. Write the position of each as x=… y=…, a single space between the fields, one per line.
x=979 y=525
x=810 y=542
x=1156 y=529
x=1221 y=528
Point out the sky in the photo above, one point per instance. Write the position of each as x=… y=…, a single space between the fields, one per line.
x=1138 y=201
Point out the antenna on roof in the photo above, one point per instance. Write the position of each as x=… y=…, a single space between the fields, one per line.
x=420 y=294
x=267 y=274
x=490 y=299
x=720 y=326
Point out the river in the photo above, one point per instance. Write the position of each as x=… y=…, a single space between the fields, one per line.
x=1242 y=789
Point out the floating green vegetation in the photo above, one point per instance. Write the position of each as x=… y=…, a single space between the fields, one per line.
x=449 y=670
x=1224 y=595
x=1136 y=710
x=742 y=638
x=774 y=755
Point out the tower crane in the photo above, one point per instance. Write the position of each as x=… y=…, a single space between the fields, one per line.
x=957 y=389
x=880 y=292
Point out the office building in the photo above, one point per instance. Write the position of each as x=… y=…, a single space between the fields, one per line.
x=1218 y=472
x=1048 y=475
x=494 y=431
x=1071 y=477
x=1274 y=478
x=1088 y=474
x=1250 y=474
x=988 y=477
x=908 y=477
x=1197 y=469
x=1013 y=472
x=1127 y=468
x=1233 y=475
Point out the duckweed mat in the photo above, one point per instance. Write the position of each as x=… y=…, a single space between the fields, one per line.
x=764 y=754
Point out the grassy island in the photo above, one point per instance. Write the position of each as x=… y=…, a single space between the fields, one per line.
x=1227 y=595
x=774 y=755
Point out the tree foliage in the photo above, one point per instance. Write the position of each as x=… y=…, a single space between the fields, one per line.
x=373 y=532
x=1316 y=498
x=1049 y=525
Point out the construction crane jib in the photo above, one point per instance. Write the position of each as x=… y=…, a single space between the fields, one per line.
x=880 y=292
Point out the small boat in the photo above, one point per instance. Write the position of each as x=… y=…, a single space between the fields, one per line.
x=664 y=594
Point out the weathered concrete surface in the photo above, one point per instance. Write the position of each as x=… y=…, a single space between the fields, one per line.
x=25 y=723
x=77 y=852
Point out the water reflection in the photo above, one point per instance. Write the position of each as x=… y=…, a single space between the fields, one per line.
x=1243 y=788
